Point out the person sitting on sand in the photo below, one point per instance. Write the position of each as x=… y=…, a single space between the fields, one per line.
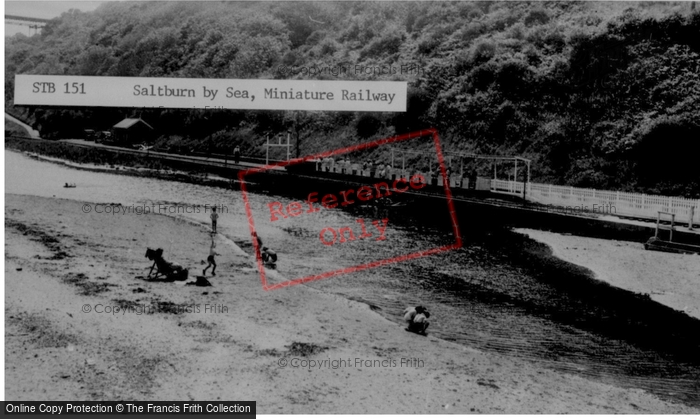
x=269 y=255
x=417 y=319
x=210 y=259
x=421 y=323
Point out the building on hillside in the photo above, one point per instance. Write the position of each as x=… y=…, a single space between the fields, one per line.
x=132 y=130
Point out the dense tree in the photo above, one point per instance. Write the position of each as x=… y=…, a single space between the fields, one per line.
x=597 y=94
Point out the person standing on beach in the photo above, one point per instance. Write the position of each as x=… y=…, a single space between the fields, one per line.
x=214 y=218
x=210 y=258
x=260 y=243
x=260 y=252
x=255 y=236
x=237 y=154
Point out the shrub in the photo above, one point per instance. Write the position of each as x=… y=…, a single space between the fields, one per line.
x=667 y=150
x=386 y=45
x=517 y=31
x=555 y=40
x=315 y=38
x=483 y=76
x=292 y=58
x=472 y=31
x=512 y=75
x=367 y=125
x=483 y=52
x=329 y=47
x=428 y=45
x=410 y=20
x=537 y=17
x=418 y=103
x=468 y=10
x=503 y=19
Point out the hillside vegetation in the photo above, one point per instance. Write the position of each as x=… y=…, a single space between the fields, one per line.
x=603 y=95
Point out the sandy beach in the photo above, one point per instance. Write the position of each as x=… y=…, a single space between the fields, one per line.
x=668 y=278
x=65 y=270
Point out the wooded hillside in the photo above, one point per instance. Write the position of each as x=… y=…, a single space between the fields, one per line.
x=598 y=94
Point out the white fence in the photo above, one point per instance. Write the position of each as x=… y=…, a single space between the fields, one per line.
x=604 y=202
x=577 y=200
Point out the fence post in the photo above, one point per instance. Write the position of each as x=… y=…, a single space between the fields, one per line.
x=690 y=219
x=658 y=220
x=673 y=219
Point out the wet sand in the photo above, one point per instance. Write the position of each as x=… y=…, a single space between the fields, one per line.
x=60 y=262
x=668 y=278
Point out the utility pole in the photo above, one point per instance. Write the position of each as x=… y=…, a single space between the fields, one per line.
x=296 y=128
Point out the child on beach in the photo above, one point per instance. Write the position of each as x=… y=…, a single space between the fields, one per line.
x=417 y=319
x=210 y=259
x=421 y=323
x=214 y=217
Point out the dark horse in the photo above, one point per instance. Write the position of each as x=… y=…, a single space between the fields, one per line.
x=169 y=271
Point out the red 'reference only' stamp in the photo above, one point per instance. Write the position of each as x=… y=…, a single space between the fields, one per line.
x=329 y=236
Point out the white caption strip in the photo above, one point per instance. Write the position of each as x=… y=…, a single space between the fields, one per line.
x=144 y=92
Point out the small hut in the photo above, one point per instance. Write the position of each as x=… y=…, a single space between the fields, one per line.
x=132 y=130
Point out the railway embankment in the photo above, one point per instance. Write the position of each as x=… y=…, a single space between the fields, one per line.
x=475 y=209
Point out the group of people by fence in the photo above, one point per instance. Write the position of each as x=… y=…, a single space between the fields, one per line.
x=381 y=170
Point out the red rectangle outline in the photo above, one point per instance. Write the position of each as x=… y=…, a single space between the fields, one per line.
x=450 y=205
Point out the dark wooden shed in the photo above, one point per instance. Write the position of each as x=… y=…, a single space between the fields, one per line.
x=132 y=130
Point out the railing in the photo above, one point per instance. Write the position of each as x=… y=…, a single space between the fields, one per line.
x=604 y=202
x=507 y=187
x=577 y=199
